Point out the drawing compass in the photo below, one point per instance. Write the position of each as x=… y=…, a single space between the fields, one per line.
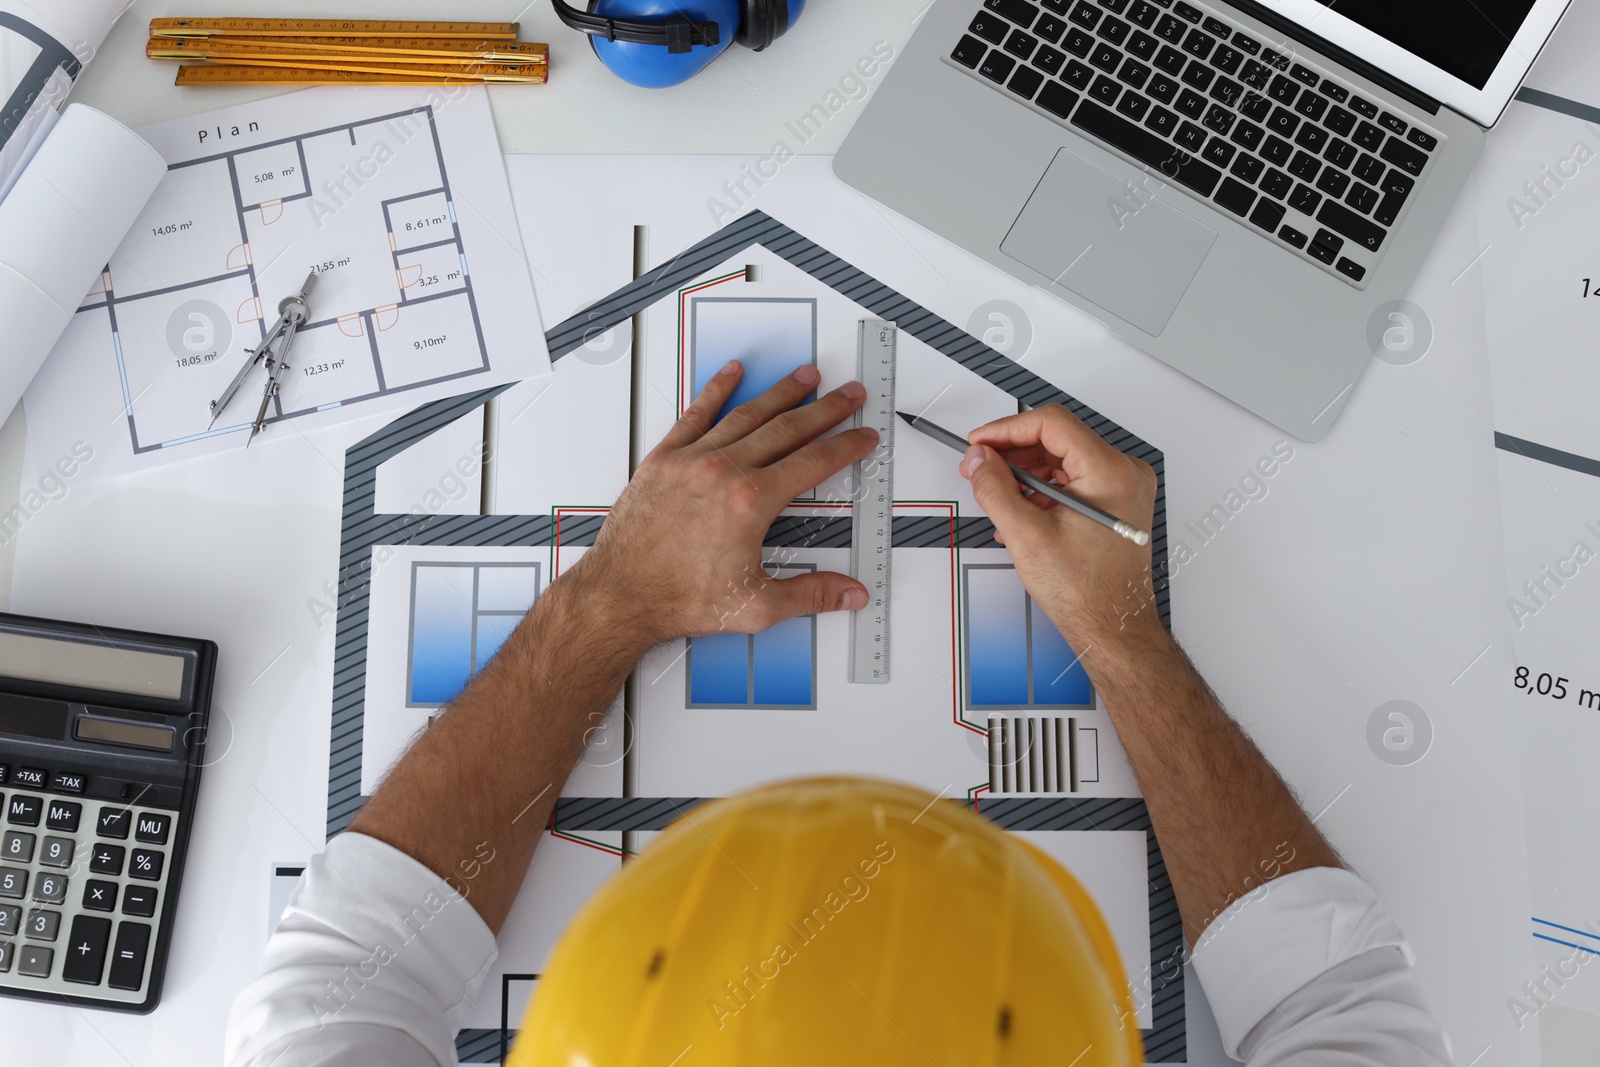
x=293 y=310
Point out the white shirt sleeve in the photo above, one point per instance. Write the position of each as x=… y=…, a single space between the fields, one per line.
x=1310 y=971
x=369 y=961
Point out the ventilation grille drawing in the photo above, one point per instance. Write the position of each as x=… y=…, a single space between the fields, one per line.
x=1045 y=754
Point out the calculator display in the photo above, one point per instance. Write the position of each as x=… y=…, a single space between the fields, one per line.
x=115 y=670
x=32 y=717
x=121 y=732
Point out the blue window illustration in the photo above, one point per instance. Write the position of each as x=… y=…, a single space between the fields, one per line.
x=770 y=336
x=1015 y=656
x=461 y=613
x=772 y=669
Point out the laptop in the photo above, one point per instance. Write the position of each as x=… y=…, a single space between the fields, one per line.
x=1244 y=190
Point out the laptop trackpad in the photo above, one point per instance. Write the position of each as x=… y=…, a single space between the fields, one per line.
x=1108 y=240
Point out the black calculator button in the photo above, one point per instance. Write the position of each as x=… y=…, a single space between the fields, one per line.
x=107 y=859
x=43 y=925
x=10 y=920
x=139 y=900
x=7 y=951
x=127 y=957
x=56 y=852
x=114 y=823
x=32 y=777
x=35 y=961
x=145 y=865
x=152 y=829
x=13 y=883
x=5 y=772
x=23 y=810
x=66 y=782
x=17 y=847
x=86 y=950
x=63 y=815
x=99 y=896
x=50 y=889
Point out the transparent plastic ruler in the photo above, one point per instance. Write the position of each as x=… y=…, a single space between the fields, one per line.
x=872 y=512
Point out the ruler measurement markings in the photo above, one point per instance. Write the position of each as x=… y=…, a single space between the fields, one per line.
x=872 y=511
x=181 y=48
x=277 y=75
x=259 y=27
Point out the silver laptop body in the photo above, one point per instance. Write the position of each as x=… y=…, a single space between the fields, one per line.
x=1258 y=264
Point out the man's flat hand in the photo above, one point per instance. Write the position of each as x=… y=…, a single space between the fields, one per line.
x=1094 y=585
x=680 y=553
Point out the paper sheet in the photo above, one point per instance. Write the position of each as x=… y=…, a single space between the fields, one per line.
x=710 y=723
x=394 y=197
x=1538 y=205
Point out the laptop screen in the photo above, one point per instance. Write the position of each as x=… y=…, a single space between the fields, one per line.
x=1465 y=40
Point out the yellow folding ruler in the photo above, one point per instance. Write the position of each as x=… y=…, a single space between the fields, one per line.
x=244 y=27
x=296 y=49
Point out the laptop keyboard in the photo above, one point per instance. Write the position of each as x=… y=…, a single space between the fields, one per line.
x=1265 y=136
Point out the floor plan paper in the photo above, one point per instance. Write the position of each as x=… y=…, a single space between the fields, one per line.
x=1538 y=202
x=395 y=198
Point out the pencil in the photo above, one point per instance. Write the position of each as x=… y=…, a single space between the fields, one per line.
x=1037 y=484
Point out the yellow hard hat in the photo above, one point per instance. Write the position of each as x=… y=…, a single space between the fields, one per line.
x=834 y=921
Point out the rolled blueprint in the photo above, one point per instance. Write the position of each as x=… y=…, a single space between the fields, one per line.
x=68 y=212
x=44 y=45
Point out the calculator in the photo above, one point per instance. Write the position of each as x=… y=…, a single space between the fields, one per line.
x=102 y=737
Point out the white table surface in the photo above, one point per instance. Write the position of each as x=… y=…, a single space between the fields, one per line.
x=739 y=106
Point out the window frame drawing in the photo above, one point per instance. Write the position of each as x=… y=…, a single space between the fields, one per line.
x=776 y=572
x=475 y=613
x=1028 y=630
x=693 y=361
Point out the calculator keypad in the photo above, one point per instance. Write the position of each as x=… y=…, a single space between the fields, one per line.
x=81 y=885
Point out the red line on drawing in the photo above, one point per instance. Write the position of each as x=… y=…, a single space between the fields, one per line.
x=683 y=298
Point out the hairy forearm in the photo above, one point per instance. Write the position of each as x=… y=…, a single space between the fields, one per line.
x=471 y=797
x=1226 y=821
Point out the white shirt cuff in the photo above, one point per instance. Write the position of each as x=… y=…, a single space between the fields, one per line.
x=1272 y=942
x=371 y=939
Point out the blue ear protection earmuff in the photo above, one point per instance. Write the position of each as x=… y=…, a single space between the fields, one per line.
x=657 y=43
